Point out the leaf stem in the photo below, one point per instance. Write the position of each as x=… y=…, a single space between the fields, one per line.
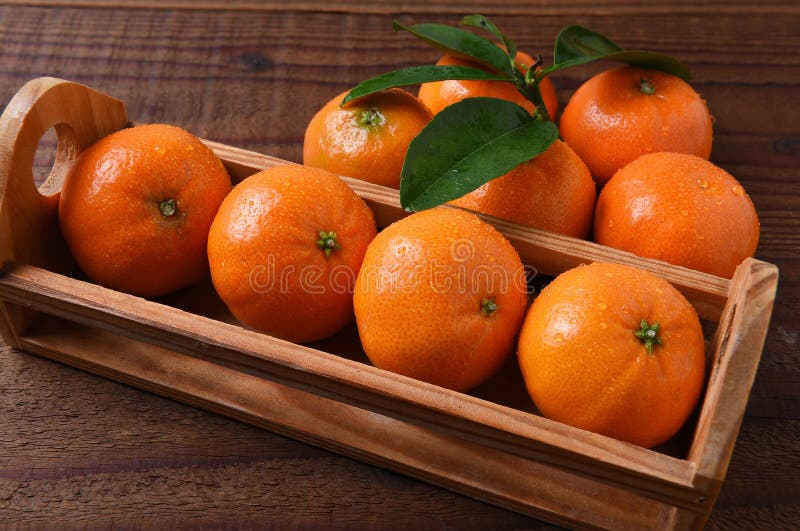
x=528 y=85
x=530 y=89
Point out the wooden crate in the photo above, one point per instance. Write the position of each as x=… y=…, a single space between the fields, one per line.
x=489 y=444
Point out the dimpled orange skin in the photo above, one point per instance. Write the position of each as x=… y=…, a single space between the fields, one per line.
x=681 y=209
x=110 y=216
x=554 y=192
x=265 y=262
x=584 y=367
x=439 y=94
x=609 y=122
x=419 y=295
x=338 y=140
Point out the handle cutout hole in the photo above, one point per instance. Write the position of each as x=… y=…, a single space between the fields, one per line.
x=45 y=156
x=54 y=156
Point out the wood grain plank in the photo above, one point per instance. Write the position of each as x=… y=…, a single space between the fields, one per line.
x=197 y=469
x=224 y=74
x=518 y=7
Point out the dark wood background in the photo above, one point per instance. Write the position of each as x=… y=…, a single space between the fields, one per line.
x=77 y=450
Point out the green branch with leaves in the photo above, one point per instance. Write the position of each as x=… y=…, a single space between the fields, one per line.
x=476 y=140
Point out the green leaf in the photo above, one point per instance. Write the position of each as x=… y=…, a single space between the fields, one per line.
x=576 y=45
x=466 y=145
x=461 y=43
x=418 y=74
x=577 y=42
x=656 y=61
x=481 y=22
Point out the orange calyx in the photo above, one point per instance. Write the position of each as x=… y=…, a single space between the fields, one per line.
x=488 y=306
x=646 y=87
x=327 y=242
x=168 y=208
x=648 y=335
x=371 y=117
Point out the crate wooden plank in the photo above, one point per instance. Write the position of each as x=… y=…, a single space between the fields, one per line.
x=515 y=483
x=738 y=342
x=661 y=476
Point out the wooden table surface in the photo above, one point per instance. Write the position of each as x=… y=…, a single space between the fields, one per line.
x=77 y=450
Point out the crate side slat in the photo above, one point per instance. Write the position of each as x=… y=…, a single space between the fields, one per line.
x=683 y=519
x=484 y=473
x=737 y=348
x=550 y=253
x=659 y=476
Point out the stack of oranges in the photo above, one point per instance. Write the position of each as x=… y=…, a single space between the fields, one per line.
x=440 y=295
x=642 y=137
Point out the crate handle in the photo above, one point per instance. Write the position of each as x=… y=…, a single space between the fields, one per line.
x=29 y=219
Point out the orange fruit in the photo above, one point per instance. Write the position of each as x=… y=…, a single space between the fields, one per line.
x=623 y=113
x=285 y=248
x=439 y=94
x=584 y=365
x=680 y=209
x=440 y=298
x=367 y=138
x=136 y=206
x=553 y=191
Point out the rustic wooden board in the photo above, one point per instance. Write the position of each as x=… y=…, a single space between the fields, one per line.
x=388 y=443
x=743 y=65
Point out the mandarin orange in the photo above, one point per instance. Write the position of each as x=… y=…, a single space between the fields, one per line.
x=285 y=248
x=681 y=209
x=366 y=138
x=440 y=298
x=614 y=350
x=136 y=207
x=553 y=191
x=623 y=113
x=439 y=94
